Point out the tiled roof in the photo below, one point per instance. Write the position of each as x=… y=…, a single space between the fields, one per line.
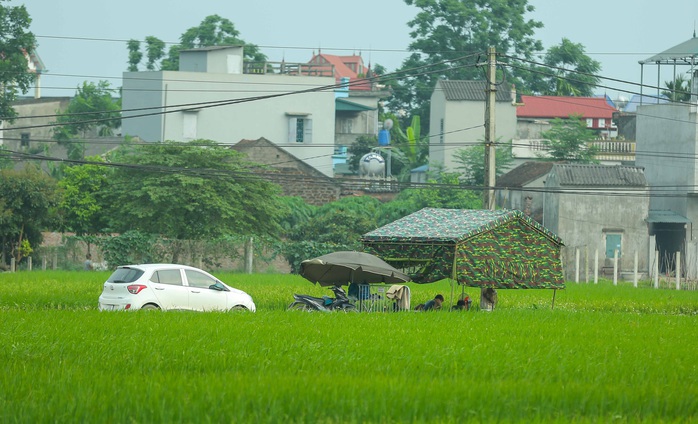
x=342 y=69
x=645 y=99
x=524 y=174
x=599 y=175
x=471 y=90
x=563 y=107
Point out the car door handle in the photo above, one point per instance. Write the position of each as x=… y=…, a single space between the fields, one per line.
x=196 y=291
x=159 y=288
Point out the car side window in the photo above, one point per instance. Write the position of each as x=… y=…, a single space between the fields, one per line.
x=197 y=279
x=167 y=276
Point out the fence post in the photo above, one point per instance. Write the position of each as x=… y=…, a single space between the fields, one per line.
x=576 y=265
x=656 y=269
x=615 y=267
x=596 y=266
x=55 y=260
x=43 y=263
x=29 y=263
x=249 y=255
x=12 y=265
x=586 y=264
x=678 y=270
x=635 y=271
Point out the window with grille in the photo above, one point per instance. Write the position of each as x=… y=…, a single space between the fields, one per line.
x=300 y=129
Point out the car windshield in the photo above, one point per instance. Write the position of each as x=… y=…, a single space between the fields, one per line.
x=125 y=275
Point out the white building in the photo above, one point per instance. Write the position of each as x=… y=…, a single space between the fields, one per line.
x=457 y=118
x=211 y=98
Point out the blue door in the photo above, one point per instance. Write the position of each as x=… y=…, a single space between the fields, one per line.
x=612 y=243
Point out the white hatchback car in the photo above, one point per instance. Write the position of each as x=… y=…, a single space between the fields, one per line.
x=168 y=287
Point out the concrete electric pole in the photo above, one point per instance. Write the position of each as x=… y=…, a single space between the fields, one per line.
x=488 y=296
x=490 y=103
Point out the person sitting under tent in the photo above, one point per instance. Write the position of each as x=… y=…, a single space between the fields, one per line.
x=435 y=303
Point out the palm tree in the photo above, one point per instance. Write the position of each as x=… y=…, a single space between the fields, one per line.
x=678 y=90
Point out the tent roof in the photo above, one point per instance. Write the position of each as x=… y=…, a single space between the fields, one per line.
x=686 y=51
x=449 y=225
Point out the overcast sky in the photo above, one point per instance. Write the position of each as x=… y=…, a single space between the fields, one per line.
x=86 y=39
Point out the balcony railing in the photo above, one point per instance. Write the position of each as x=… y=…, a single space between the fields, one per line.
x=288 y=68
x=608 y=150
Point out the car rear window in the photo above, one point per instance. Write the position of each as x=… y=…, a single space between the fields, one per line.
x=125 y=275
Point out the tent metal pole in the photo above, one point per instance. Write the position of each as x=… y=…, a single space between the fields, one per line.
x=553 y=305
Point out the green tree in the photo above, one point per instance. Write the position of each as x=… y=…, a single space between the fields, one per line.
x=16 y=42
x=83 y=201
x=572 y=71
x=92 y=110
x=155 y=50
x=472 y=162
x=28 y=200
x=448 y=36
x=134 y=54
x=334 y=226
x=409 y=148
x=678 y=89
x=568 y=140
x=192 y=191
x=363 y=144
x=212 y=31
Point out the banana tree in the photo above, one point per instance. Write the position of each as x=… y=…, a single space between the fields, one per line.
x=410 y=149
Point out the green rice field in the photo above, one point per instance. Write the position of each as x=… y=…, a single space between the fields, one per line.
x=603 y=354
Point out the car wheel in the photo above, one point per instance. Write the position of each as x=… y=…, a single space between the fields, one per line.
x=237 y=308
x=150 y=307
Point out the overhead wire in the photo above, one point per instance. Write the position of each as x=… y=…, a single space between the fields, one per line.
x=329 y=87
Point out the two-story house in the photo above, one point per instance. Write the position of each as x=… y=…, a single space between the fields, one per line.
x=667 y=148
x=357 y=98
x=211 y=98
x=457 y=118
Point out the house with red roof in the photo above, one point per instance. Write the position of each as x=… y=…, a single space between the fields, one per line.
x=535 y=113
x=356 y=100
x=343 y=67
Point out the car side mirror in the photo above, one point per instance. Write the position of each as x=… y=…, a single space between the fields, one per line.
x=217 y=286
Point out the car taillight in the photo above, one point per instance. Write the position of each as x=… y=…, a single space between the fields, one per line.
x=135 y=288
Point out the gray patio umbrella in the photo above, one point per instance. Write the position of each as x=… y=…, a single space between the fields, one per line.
x=341 y=268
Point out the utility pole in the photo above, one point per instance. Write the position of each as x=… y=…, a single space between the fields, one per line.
x=488 y=296
x=490 y=103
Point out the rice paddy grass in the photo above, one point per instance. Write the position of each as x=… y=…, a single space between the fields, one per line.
x=604 y=353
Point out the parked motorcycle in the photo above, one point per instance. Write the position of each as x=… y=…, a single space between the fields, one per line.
x=340 y=302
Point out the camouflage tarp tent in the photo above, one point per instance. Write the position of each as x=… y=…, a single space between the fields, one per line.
x=479 y=248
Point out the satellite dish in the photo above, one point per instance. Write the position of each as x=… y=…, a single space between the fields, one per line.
x=388 y=124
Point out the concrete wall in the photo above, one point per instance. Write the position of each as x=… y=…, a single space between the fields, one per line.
x=268 y=118
x=34 y=109
x=437 y=114
x=517 y=198
x=668 y=129
x=464 y=126
x=583 y=221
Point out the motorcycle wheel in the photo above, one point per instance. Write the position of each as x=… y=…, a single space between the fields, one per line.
x=299 y=306
x=348 y=308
